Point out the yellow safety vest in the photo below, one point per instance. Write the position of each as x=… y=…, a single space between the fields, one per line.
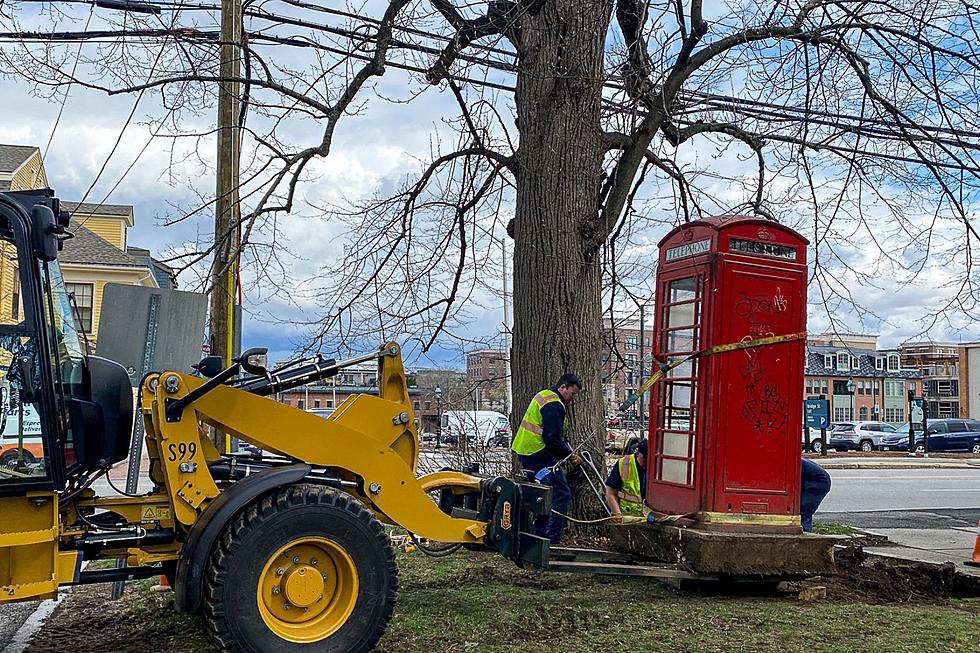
x=630 y=501
x=530 y=435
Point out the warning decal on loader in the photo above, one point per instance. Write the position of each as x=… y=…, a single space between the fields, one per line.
x=156 y=513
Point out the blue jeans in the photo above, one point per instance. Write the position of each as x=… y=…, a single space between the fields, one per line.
x=561 y=499
x=814 y=486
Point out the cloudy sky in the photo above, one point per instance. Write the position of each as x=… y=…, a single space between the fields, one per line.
x=374 y=151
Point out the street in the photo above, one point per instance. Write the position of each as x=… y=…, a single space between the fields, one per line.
x=859 y=490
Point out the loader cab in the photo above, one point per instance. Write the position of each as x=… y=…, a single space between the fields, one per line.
x=65 y=415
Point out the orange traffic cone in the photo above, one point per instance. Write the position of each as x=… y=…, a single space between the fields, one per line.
x=164 y=585
x=975 y=561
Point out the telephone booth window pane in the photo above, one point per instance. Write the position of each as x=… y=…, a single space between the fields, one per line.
x=676 y=444
x=682 y=290
x=680 y=315
x=680 y=341
x=680 y=395
x=683 y=371
x=674 y=471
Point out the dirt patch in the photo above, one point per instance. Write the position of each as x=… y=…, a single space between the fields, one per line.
x=87 y=621
x=877 y=580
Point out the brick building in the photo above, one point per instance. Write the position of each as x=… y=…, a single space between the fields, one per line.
x=861 y=381
x=486 y=374
x=623 y=346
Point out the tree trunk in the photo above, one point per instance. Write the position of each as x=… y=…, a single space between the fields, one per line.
x=557 y=276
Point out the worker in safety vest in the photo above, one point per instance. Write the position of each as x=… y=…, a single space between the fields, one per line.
x=626 y=486
x=540 y=443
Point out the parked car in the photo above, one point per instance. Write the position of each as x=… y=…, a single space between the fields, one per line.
x=858 y=436
x=811 y=439
x=944 y=435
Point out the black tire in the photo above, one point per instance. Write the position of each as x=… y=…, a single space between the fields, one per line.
x=9 y=457
x=975 y=448
x=867 y=446
x=266 y=525
x=920 y=447
x=816 y=447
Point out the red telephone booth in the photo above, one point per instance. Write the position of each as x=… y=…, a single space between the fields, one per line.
x=725 y=426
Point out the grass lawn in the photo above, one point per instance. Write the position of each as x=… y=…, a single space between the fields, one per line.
x=482 y=603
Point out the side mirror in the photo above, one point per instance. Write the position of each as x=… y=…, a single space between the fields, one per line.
x=255 y=361
x=209 y=366
x=44 y=233
x=25 y=374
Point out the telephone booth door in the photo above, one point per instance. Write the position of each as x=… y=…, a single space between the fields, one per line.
x=675 y=464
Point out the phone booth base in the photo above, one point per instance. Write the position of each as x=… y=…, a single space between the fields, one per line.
x=725 y=444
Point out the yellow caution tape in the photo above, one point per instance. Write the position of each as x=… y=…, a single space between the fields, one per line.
x=718 y=349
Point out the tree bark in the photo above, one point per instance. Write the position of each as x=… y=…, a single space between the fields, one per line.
x=557 y=274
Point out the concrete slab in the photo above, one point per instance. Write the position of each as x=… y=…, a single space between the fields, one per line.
x=735 y=553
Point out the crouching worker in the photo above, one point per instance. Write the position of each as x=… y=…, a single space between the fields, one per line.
x=540 y=444
x=626 y=486
x=814 y=486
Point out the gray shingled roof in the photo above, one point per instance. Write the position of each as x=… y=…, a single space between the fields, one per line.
x=13 y=156
x=87 y=208
x=89 y=248
x=866 y=362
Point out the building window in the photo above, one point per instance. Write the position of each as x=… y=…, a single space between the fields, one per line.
x=860 y=389
x=828 y=360
x=840 y=388
x=301 y=404
x=855 y=363
x=809 y=386
x=287 y=402
x=841 y=414
x=825 y=387
x=329 y=403
x=879 y=363
x=428 y=405
x=893 y=362
x=631 y=359
x=864 y=413
x=631 y=342
x=316 y=403
x=843 y=361
x=82 y=292
x=415 y=405
x=15 y=298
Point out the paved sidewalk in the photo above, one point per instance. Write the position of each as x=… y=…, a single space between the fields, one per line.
x=931 y=545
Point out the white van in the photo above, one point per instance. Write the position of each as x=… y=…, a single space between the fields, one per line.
x=485 y=427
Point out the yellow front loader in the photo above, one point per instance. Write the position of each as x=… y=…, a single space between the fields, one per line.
x=283 y=551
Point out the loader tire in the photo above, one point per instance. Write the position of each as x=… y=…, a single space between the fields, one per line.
x=305 y=568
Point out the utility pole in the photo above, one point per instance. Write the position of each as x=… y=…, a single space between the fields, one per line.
x=643 y=424
x=227 y=213
x=509 y=400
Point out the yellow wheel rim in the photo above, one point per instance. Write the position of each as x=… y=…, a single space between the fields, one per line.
x=307 y=590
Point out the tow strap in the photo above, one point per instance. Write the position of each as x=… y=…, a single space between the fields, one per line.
x=717 y=349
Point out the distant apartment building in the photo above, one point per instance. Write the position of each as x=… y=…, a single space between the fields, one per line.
x=938 y=363
x=486 y=373
x=861 y=381
x=624 y=346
